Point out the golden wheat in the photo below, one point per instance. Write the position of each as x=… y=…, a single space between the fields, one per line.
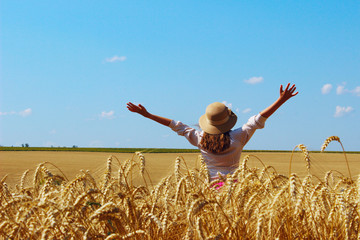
x=253 y=204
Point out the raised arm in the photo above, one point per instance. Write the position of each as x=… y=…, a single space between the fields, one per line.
x=284 y=96
x=140 y=109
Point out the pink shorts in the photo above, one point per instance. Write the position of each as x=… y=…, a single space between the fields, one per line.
x=220 y=184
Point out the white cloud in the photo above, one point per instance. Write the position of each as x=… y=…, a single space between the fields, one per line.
x=254 y=80
x=356 y=91
x=26 y=112
x=340 y=90
x=340 y=111
x=53 y=131
x=326 y=88
x=116 y=59
x=107 y=115
x=246 y=110
x=229 y=105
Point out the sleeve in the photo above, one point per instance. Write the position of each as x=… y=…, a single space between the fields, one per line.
x=244 y=133
x=191 y=134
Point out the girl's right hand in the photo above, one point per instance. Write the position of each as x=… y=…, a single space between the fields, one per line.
x=288 y=92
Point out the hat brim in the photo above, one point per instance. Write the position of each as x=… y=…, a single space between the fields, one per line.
x=217 y=129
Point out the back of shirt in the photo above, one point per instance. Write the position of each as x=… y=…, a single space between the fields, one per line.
x=227 y=161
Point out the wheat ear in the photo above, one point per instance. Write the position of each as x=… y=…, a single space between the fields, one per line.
x=306 y=157
x=336 y=138
x=23 y=179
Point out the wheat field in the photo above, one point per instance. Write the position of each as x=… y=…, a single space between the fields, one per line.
x=255 y=202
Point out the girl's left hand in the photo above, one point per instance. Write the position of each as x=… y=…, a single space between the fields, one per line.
x=140 y=109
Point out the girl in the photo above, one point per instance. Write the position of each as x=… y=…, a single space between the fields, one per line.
x=220 y=146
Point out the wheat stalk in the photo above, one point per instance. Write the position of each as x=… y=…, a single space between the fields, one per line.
x=306 y=157
x=336 y=138
x=204 y=169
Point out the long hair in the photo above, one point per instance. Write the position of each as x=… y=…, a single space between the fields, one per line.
x=215 y=143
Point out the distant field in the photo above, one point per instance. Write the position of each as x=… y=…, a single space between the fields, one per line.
x=110 y=150
x=14 y=163
x=131 y=150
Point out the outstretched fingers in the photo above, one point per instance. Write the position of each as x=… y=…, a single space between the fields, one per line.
x=292 y=90
x=287 y=87
x=132 y=107
x=289 y=92
x=137 y=108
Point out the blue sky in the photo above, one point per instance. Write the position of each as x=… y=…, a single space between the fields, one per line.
x=69 y=67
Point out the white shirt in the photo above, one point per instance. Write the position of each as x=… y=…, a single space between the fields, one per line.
x=227 y=161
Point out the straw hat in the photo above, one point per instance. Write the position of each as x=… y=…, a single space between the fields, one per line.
x=217 y=119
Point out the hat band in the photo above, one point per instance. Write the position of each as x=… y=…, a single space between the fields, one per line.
x=219 y=122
